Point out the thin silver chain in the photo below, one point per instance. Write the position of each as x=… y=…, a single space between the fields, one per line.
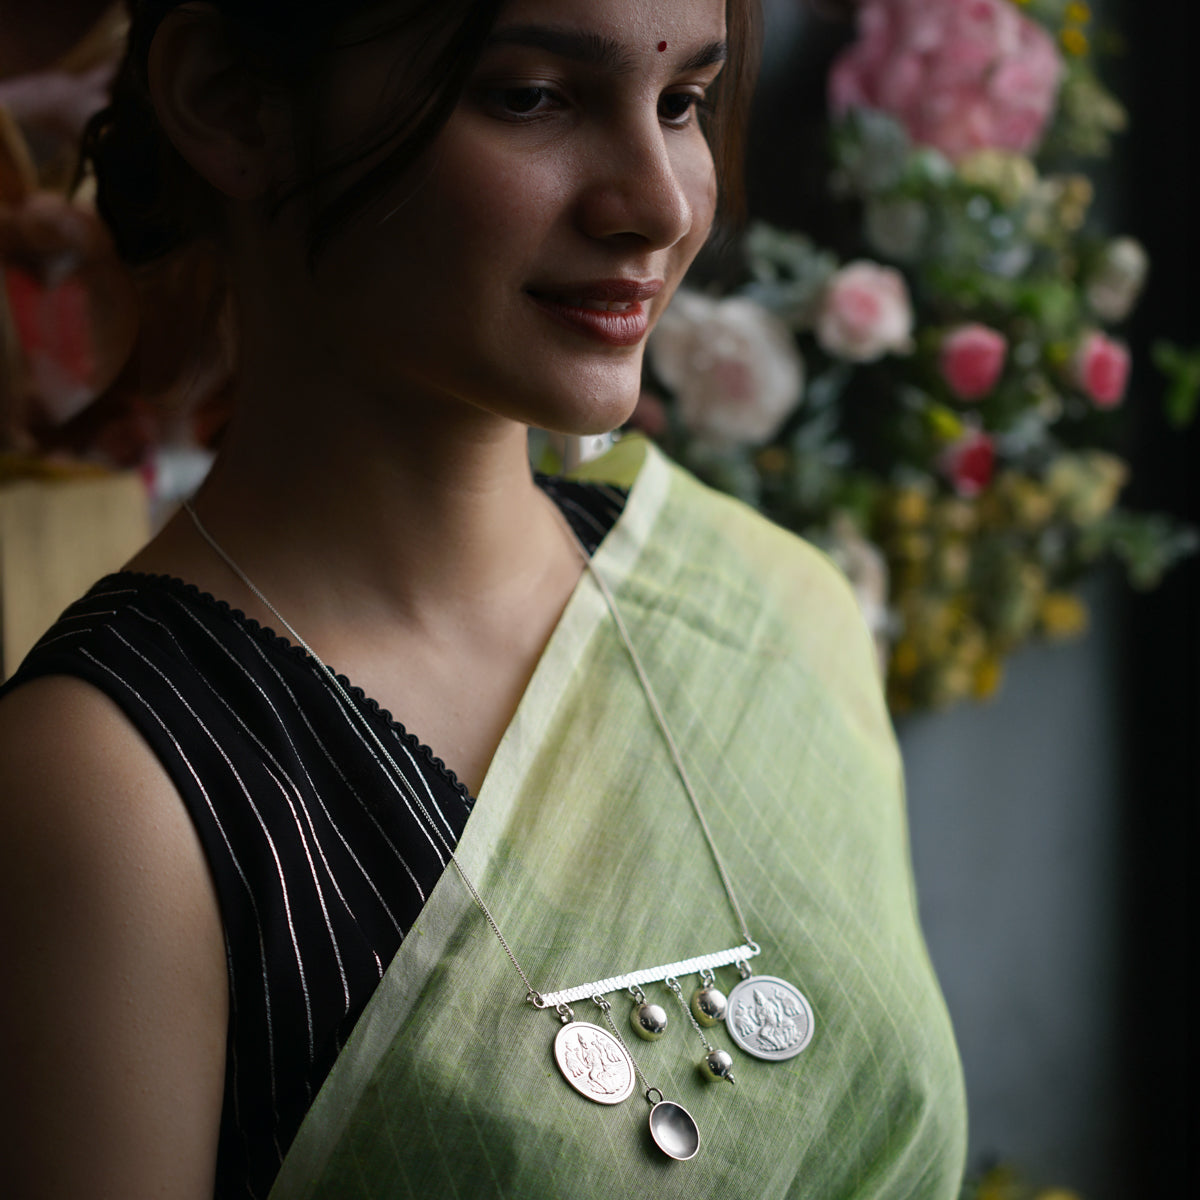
x=532 y=994
x=664 y=728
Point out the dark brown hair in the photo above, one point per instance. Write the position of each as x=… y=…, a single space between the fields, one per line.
x=154 y=202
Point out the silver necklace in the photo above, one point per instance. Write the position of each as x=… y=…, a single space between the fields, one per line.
x=767 y=1017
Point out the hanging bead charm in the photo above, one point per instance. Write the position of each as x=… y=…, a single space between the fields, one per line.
x=649 y=1021
x=708 y=1001
x=716 y=1064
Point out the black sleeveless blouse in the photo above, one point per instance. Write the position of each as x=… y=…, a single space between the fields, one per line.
x=320 y=858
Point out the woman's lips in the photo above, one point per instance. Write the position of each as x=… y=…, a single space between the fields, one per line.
x=609 y=311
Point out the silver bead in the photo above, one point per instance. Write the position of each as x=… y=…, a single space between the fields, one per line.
x=649 y=1021
x=708 y=1005
x=717 y=1064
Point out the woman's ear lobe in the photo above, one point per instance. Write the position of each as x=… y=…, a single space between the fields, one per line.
x=208 y=104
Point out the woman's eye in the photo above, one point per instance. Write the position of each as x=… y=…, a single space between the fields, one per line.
x=521 y=101
x=678 y=108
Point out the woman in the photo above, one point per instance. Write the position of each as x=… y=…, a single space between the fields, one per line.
x=226 y=891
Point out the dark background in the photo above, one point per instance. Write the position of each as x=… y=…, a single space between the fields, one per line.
x=1158 y=191
x=1085 y=827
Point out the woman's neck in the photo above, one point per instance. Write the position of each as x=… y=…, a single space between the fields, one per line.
x=435 y=524
x=424 y=519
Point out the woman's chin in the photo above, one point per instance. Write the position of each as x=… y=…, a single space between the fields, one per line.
x=594 y=417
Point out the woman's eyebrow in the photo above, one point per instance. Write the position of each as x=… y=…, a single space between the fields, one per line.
x=592 y=49
x=706 y=56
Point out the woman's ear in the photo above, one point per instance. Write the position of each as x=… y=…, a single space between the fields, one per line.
x=207 y=103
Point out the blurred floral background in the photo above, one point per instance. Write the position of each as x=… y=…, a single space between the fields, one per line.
x=935 y=395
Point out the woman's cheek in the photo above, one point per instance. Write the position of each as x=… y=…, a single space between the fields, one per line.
x=698 y=178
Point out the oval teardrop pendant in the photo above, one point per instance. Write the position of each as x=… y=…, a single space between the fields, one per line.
x=674 y=1130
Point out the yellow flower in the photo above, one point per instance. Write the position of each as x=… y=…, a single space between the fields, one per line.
x=1010 y=176
x=1085 y=485
x=1026 y=502
x=1059 y=353
x=1062 y=615
x=773 y=460
x=971 y=643
x=1075 y=197
x=956 y=515
x=998 y=1184
x=1074 y=41
x=949 y=682
x=951 y=562
x=944 y=423
x=1078 y=12
x=908 y=506
x=988 y=673
x=905 y=659
x=911 y=546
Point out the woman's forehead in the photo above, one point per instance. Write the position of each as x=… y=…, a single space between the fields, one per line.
x=634 y=22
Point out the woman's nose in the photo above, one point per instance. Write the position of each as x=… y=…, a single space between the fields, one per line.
x=643 y=187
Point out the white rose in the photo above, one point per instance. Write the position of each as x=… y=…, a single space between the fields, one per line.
x=864 y=565
x=1117 y=280
x=733 y=367
x=865 y=313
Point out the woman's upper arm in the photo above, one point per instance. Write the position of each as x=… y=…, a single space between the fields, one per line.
x=114 y=1001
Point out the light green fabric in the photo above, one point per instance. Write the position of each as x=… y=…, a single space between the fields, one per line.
x=586 y=850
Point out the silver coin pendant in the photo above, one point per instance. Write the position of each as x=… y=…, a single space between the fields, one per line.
x=594 y=1063
x=768 y=1017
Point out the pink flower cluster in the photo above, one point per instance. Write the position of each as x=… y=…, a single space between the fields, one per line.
x=865 y=313
x=968 y=462
x=959 y=75
x=1101 y=369
x=972 y=360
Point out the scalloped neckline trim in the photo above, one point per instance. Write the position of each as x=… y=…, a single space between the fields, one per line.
x=284 y=645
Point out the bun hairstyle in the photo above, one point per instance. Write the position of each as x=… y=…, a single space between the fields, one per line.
x=155 y=203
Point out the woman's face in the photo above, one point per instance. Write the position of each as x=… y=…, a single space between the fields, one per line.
x=520 y=266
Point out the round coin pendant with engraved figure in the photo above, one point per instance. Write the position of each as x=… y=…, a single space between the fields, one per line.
x=768 y=1017
x=594 y=1063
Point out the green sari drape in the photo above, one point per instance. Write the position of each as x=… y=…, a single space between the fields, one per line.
x=585 y=848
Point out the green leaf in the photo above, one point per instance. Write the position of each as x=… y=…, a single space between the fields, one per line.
x=1148 y=544
x=1182 y=369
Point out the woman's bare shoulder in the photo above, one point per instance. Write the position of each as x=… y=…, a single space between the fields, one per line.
x=114 y=1011
x=62 y=714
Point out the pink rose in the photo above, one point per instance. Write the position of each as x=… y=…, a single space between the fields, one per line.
x=968 y=462
x=865 y=313
x=959 y=75
x=1101 y=369
x=971 y=360
x=733 y=368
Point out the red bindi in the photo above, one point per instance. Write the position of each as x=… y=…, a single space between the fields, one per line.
x=661 y=47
